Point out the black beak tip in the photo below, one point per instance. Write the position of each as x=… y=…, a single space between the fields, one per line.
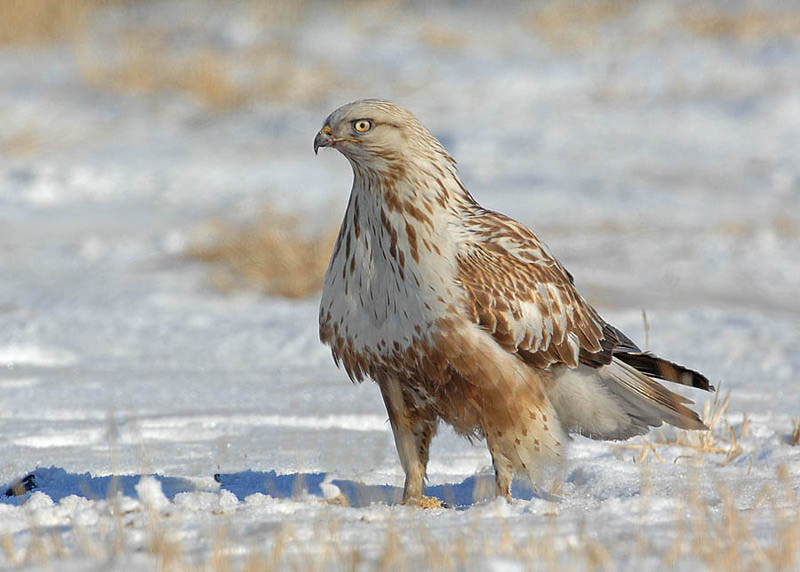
x=323 y=139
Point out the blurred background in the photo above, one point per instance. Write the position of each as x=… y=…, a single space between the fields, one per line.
x=654 y=145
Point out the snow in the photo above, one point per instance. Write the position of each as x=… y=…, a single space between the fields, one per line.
x=662 y=167
x=149 y=491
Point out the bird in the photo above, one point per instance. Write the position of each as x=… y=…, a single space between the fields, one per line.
x=462 y=315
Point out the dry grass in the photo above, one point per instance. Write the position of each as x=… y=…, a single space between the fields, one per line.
x=714 y=533
x=748 y=23
x=44 y=21
x=711 y=529
x=722 y=535
x=148 y=67
x=784 y=226
x=720 y=439
x=578 y=26
x=443 y=38
x=22 y=143
x=272 y=254
x=573 y=24
x=221 y=80
x=142 y=57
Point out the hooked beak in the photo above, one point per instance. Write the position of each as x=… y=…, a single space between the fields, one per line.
x=324 y=138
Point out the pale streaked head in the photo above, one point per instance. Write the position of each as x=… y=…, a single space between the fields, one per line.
x=371 y=131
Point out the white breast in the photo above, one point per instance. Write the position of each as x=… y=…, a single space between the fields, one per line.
x=380 y=297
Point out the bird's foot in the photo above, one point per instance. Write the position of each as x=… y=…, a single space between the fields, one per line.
x=424 y=502
x=430 y=502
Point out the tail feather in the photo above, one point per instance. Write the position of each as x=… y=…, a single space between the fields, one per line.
x=649 y=400
x=654 y=366
x=616 y=401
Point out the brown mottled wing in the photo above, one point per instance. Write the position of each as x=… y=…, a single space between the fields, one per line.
x=521 y=295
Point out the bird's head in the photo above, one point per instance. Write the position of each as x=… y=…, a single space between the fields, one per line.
x=374 y=134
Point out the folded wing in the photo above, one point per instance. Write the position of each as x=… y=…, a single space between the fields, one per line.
x=517 y=292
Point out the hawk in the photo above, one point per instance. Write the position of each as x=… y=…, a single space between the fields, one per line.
x=462 y=314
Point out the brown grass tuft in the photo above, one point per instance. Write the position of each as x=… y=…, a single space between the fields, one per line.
x=795 y=439
x=443 y=38
x=148 y=67
x=144 y=58
x=574 y=24
x=578 y=26
x=272 y=254
x=786 y=226
x=146 y=64
x=746 y=24
x=22 y=143
x=44 y=21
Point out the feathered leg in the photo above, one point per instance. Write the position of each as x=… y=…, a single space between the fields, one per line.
x=503 y=474
x=413 y=432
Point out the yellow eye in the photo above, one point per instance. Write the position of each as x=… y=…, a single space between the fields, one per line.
x=362 y=125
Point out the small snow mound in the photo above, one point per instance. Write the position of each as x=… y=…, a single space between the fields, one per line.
x=72 y=503
x=6 y=510
x=206 y=501
x=124 y=504
x=499 y=507
x=329 y=490
x=227 y=499
x=38 y=500
x=86 y=517
x=150 y=493
x=503 y=564
x=257 y=499
x=81 y=510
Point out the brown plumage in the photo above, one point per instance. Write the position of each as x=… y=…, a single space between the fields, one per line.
x=462 y=314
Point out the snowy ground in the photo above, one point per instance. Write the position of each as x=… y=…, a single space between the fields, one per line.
x=660 y=162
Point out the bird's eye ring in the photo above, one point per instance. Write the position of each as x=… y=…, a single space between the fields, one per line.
x=362 y=125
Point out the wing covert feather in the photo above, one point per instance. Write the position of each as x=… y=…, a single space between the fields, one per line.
x=526 y=300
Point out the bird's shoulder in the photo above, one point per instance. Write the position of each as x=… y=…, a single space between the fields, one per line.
x=500 y=241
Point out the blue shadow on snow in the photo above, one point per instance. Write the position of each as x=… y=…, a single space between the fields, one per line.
x=58 y=483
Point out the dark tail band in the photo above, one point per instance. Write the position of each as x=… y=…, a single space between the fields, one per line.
x=660 y=368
